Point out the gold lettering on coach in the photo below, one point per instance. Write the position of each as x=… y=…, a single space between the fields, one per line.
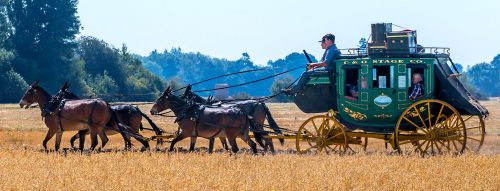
x=388 y=61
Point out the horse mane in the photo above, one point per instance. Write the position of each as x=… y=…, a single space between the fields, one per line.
x=43 y=91
x=70 y=95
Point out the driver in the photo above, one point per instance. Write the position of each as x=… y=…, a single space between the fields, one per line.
x=326 y=64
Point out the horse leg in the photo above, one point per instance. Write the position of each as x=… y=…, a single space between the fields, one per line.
x=49 y=136
x=128 y=144
x=234 y=145
x=73 y=139
x=224 y=143
x=58 y=140
x=93 y=139
x=249 y=141
x=82 y=134
x=193 y=142
x=144 y=143
x=103 y=136
x=270 y=144
x=177 y=139
x=211 y=145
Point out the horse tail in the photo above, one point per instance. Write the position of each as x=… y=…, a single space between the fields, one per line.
x=157 y=129
x=272 y=122
x=122 y=128
x=258 y=135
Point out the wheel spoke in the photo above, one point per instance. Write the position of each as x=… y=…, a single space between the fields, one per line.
x=314 y=125
x=414 y=124
x=439 y=115
x=420 y=117
x=330 y=147
x=351 y=149
x=402 y=143
x=465 y=120
x=427 y=146
x=429 y=113
x=474 y=139
x=454 y=129
x=475 y=127
x=444 y=145
x=419 y=147
x=330 y=138
x=454 y=145
x=308 y=132
x=437 y=146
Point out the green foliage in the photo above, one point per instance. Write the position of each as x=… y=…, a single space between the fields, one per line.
x=195 y=67
x=125 y=79
x=12 y=86
x=103 y=84
x=485 y=78
x=278 y=85
x=43 y=39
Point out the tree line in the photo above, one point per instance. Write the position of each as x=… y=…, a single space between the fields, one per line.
x=38 y=40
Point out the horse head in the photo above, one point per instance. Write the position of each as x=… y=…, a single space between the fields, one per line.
x=190 y=96
x=162 y=103
x=30 y=96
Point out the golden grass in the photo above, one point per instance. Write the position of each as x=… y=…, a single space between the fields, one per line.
x=24 y=166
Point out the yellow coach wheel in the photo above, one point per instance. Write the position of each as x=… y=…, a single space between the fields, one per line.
x=475 y=132
x=322 y=133
x=430 y=127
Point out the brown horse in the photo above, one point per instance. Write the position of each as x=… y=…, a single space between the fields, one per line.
x=205 y=122
x=126 y=114
x=258 y=111
x=92 y=114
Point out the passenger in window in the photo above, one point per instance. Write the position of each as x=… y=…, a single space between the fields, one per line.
x=354 y=91
x=417 y=87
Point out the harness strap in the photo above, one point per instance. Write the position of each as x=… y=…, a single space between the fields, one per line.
x=59 y=114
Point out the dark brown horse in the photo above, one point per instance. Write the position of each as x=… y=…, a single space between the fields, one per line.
x=126 y=115
x=92 y=114
x=205 y=122
x=258 y=111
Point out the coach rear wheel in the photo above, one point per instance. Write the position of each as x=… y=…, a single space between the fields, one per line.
x=475 y=132
x=322 y=133
x=430 y=127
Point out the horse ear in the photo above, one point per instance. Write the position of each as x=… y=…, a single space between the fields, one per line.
x=35 y=83
x=65 y=86
x=188 y=89
x=167 y=91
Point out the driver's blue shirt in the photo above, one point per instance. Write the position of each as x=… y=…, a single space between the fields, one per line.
x=329 y=56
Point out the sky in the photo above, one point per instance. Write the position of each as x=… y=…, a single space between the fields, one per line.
x=270 y=30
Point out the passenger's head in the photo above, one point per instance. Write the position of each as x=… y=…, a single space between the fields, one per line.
x=354 y=91
x=327 y=40
x=417 y=77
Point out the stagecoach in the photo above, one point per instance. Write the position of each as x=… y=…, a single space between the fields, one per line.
x=446 y=118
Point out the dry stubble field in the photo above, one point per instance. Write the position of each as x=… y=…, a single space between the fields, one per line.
x=23 y=164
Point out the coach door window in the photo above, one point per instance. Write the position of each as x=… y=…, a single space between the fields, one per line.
x=351 y=83
x=383 y=77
